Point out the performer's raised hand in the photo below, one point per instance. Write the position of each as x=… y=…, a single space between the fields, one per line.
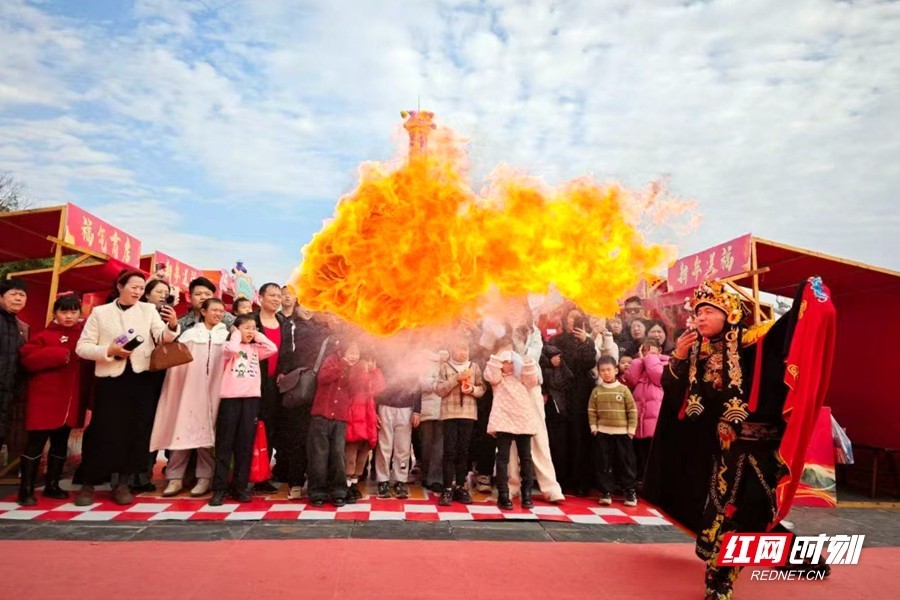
x=684 y=343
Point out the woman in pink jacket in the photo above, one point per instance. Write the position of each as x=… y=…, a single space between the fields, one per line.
x=644 y=377
x=513 y=419
x=241 y=395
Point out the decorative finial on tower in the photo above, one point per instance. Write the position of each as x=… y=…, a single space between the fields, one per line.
x=418 y=124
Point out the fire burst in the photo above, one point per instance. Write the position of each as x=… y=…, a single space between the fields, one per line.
x=413 y=245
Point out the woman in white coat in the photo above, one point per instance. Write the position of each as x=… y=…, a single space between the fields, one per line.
x=189 y=404
x=527 y=342
x=118 y=437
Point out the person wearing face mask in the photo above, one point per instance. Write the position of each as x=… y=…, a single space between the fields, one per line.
x=119 y=338
x=186 y=414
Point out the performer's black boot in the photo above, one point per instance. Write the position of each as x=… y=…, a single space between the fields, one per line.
x=503 y=500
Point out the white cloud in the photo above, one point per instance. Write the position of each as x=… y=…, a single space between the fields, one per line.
x=775 y=116
x=162 y=228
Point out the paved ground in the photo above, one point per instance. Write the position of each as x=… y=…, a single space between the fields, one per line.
x=880 y=525
x=879 y=521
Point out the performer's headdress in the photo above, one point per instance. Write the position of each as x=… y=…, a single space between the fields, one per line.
x=713 y=293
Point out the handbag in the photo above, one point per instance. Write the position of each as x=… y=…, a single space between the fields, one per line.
x=170 y=354
x=260 y=466
x=299 y=386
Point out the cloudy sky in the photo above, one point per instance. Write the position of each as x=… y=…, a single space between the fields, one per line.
x=218 y=130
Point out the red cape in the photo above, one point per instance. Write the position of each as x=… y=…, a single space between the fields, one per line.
x=807 y=374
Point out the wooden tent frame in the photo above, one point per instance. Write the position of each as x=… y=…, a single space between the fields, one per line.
x=60 y=244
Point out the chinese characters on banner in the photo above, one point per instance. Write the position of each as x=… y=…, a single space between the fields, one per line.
x=724 y=260
x=174 y=272
x=85 y=230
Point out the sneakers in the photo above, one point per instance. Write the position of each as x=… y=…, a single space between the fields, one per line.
x=461 y=495
x=295 y=493
x=401 y=491
x=85 y=496
x=173 y=489
x=446 y=498
x=353 y=493
x=202 y=487
x=605 y=499
x=384 y=489
x=218 y=498
x=630 y=498
x=483 y=484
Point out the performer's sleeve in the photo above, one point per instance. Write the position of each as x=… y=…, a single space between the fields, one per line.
x=674 y=384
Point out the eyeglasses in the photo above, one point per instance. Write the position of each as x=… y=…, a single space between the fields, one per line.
x=633 y=311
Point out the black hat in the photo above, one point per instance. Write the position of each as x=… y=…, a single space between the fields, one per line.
x=12 y=284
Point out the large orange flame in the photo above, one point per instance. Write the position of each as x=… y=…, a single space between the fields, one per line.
x=413 y=245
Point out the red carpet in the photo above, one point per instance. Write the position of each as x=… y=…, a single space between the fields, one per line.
x=361 y=569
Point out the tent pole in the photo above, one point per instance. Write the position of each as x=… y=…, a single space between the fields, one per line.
x=757 y=313
x=57 y=267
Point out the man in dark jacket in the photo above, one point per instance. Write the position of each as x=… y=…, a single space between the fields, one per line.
x=580 y=355
x=308 y=332
x=13 y=333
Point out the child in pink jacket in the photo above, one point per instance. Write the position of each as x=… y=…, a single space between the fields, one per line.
x=644 y=377
x=241 y=396
x=513 y=419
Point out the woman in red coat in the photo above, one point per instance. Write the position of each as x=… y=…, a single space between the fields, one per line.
x=54 y=404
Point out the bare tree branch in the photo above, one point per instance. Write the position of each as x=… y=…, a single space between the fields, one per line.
x=13 y=194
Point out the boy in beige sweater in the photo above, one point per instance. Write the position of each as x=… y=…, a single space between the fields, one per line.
x=613 y=418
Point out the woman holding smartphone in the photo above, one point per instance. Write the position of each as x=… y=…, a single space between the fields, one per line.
x=580 y=354
x=158 y=293
x=125 y=396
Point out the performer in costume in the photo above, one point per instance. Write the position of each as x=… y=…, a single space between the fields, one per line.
x=738 y=412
